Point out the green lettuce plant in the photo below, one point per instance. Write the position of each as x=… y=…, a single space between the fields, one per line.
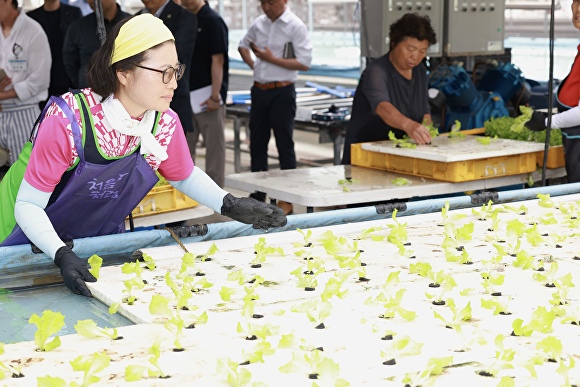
x=404 y=142
x=550 y=278
x=137 y=372
x=6 y=369
x=399 y=347
x=236 y=375
x=254 y=331
x=90 y=329
x=498 y=305
x=484 y=212
x=149 y=261
x=316 y=366
x=491 y=280
x=90 y=365
x=159 y=305
x=503 y=358
x=207 y=256
x=434 y=367
x=262 y=252
x=447 y=285
x=47 y=324
x=95 y=262
x=256 y=354
x=551 y=347
x=545 y=201
x=317 y=310
x=540 y=321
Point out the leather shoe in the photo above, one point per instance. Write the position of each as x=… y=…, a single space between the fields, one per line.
x=288 y=208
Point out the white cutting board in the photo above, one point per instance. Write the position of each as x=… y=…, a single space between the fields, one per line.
x=448 y=150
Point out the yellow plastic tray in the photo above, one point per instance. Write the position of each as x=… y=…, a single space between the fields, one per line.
x=455 y=172
x=555 y=157
x=161 y=199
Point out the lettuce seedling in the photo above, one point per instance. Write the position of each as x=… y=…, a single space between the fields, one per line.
x=89 y=329
x=136 y=372
x=541 y=321
x=420 y=268
x=524 y=261
x=226 y=293
x=95 y=262
x=317 y=310
x=490 y=281
x=458 y=318
x=48 y=324
x=187 y=266
x=548 y=219
x=50 y=381
x=564 y=370
x=292 y=342
x=400 y=181
x=255 y=331
x=545 y=201
x=398 y=230
x=454 y=236
x=207 y=256
x=446 y=286
x=306 y=236
x=521 y=210
x=533 y=236
x=404 y=142
x=257 y=353
x=449 y=218
x=262 y=251
x=368 y=232
x=333 y=244
x=551 y=347
x=433 y=131
x=316 y=366
x=456 y=131
x=134 y=268
x=520 y=121
x=571 y=316
x=346 y=183
x=236 y=375
x=90 y=365
x=391 y=305
x=503 y=358
x=498 y=306
x=159 y=305
x=333 y=286
x=241 y=278
x=7 y=369
x=484 y=212
x=434 y=367
x=149 y=261
x=397 y=348
x=464 y=258
x=550 y=279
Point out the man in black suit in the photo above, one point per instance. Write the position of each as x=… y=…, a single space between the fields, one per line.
x=54 y=18
x=183 y=25
x=82 y=40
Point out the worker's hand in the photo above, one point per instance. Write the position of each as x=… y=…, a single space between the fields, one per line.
x=419 y=133
x=537 y=122
x=264 y=54
x=74 y=271
x=4 y=83
x=251 y=211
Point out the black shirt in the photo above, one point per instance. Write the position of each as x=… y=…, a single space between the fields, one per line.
x=212 y=39
x=81 y=41
x=381 y=82
x=55 y=25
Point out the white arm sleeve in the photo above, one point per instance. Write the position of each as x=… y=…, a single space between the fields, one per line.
x=32 y=219
x=201 y=188
x=566 y=119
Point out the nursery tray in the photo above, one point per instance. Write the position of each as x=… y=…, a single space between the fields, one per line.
x=162 y=199
x=450 y=159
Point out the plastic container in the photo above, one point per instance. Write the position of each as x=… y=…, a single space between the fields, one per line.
x=458 y=171
x=555 y=157
x=161 y=199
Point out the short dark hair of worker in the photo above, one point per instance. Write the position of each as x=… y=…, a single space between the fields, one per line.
x=101 y=74
x=15 y=4
x=412 y=25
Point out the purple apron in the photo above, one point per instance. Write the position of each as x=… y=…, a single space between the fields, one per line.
x=98 y=197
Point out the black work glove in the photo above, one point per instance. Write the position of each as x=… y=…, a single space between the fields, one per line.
x=74 y=271
x=251 y=211
x=537 y=122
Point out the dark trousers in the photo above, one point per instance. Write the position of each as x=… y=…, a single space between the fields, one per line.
x=272 y=109
x=571 y=142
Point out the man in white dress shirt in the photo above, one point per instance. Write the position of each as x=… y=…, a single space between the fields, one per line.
x=25 y=62
x=279 y=40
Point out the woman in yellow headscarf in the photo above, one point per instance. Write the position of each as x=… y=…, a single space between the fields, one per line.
x=93 y=156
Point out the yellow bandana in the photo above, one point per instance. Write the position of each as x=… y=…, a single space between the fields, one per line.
x=139 y=34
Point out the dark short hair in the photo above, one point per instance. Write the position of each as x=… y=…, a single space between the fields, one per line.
x=411 y=25
x=101 y=75
x=15 y=4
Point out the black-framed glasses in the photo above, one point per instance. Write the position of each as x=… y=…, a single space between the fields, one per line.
x=169 y=72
